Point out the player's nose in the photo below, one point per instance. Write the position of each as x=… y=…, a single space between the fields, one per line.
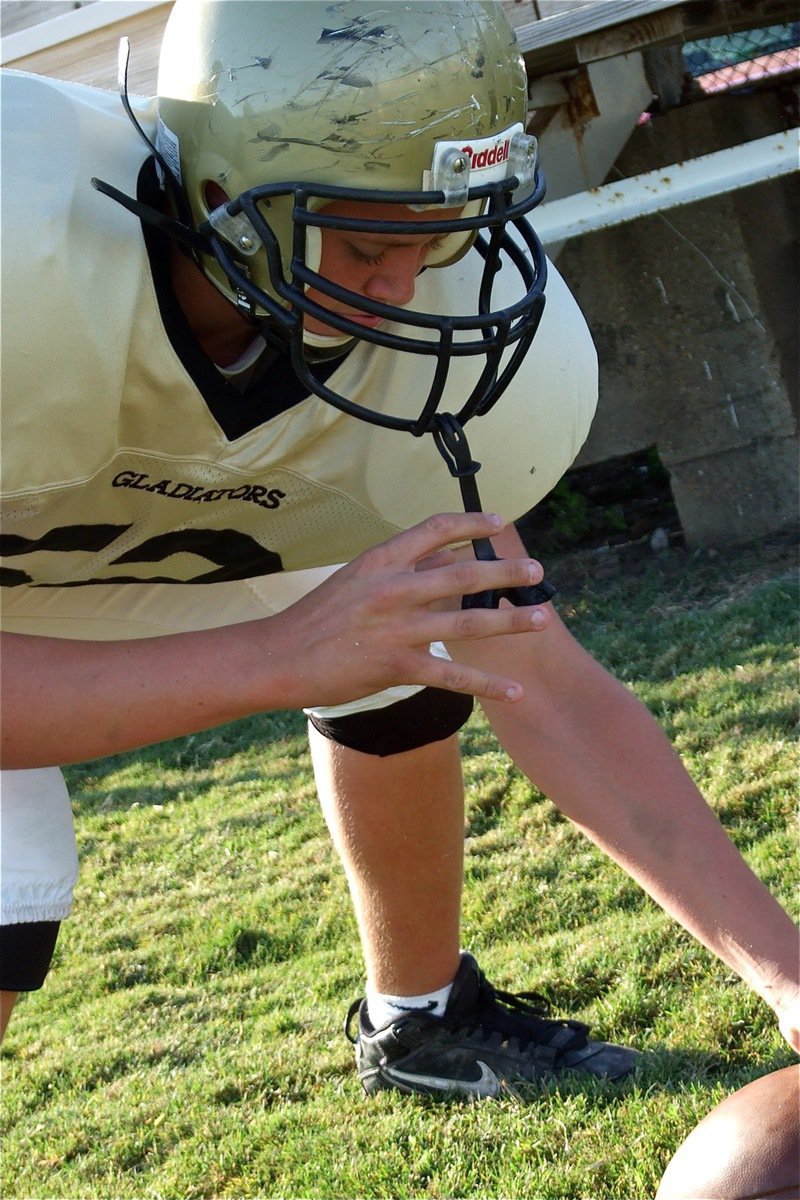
x=394 y=280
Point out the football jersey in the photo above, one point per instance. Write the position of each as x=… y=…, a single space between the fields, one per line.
x=124 y=457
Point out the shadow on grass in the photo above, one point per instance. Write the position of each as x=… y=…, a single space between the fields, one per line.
x=279 y=733
x=124 y=799
x=660 y=1071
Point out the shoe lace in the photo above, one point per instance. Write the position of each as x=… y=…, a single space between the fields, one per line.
x=348 y=1021
x=522 y=1017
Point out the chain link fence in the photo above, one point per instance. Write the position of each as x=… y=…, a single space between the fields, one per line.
x=745 y=58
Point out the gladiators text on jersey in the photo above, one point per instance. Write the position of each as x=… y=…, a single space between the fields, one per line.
x=177 y=490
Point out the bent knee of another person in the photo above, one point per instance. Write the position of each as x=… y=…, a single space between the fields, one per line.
x=26 y=952
x=39 y=871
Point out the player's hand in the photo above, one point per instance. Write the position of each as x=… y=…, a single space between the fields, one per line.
x=789 y=1023
x=370 y=625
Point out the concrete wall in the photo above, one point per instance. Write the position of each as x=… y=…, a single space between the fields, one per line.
x=694 y=313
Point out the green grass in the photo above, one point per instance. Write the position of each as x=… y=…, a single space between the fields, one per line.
x=188 y=1042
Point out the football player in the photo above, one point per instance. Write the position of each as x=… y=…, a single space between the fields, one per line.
x=292 y=316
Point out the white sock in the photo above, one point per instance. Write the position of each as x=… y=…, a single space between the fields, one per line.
x=383 y=1008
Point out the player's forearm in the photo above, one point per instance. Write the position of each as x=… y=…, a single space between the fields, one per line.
x=597 y=753
x=634 y=798
x=68 y=701
x=367 y=627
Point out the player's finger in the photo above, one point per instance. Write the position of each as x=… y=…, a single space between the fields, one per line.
x=433 y=534
x=441 y=558
x=459 y=625
x=465 y=578
x=456 y=677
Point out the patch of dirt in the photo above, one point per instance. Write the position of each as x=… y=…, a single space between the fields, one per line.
x=619 y=518
x=623 y=501
x=727 y=574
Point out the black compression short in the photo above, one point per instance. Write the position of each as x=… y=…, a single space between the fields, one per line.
x=428 y=716
x=26 y=951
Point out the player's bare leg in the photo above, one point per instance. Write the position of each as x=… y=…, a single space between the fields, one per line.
x=398 y=825
x=7 y=1002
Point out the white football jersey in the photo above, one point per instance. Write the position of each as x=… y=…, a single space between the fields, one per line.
x=125 y=456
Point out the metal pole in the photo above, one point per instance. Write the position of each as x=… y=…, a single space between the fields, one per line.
x=682 y=183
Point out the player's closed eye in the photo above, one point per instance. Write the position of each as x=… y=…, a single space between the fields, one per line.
x=362 y=257
x=375 y=259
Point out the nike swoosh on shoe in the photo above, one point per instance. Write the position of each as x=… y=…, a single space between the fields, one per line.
x=410 y=1008
x=487 y=1085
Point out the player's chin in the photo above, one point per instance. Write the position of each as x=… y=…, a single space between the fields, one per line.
x=364 y=320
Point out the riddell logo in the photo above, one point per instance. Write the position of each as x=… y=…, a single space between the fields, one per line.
x=490 y=157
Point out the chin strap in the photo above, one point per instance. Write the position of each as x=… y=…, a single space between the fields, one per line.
x=451 y=442
x=188 y=237
x=180 y=229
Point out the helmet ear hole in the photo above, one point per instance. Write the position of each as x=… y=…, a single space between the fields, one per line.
x=214 y=195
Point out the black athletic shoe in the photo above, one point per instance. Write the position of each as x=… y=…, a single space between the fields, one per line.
x=486 y=1041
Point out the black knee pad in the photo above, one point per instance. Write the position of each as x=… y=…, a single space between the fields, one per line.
x=26 y=951
x=430 y=715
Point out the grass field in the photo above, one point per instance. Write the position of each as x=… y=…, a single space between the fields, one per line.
x=188 y=1042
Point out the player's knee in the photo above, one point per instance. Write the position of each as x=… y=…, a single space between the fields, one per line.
x=39 y=869
x=429 y=715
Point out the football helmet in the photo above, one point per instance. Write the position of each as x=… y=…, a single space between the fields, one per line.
x=288 y=106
